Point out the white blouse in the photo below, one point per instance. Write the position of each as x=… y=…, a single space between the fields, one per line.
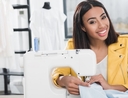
x=102 y=68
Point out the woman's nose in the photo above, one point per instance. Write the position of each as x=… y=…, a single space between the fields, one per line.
x=100 y=24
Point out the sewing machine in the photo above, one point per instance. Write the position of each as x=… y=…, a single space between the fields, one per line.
x=38 y=67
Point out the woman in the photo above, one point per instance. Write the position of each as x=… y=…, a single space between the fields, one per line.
x=93 y=29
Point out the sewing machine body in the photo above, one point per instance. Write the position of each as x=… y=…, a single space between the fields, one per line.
x=38 y=67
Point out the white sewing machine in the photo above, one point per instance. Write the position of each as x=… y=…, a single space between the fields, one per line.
x=38 y=67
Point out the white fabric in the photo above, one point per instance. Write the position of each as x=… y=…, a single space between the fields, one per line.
x=6 y=35
x=116 y=94
x=102 y=68
x=47 y=26
x=96 y=91
x=16 y=86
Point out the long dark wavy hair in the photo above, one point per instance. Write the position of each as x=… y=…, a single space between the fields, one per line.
x=80 y=38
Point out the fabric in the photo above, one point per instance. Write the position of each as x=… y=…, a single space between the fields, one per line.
x=7 y=59
x=116 y=94
x=117 y=70
x=96 y=91
x=5 y=27
x=118 y=62
x=16 y=86
x=102 y=68
x=47 y=26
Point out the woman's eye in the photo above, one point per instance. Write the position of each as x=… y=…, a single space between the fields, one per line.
x=104 y=17
x=92 y=22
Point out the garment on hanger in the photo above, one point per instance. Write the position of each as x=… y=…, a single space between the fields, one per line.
x=7 y=59
x=47 y=25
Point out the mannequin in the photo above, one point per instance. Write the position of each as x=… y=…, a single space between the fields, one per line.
x=47 y=5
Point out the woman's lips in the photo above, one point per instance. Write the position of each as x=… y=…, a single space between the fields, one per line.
x=102 y=33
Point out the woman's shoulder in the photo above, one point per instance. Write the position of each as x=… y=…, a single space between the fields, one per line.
x=122 y=40
x=70 y=40
x=70 y=44
x=123 y=36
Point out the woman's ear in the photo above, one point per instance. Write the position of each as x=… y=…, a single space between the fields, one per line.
x=83 y=28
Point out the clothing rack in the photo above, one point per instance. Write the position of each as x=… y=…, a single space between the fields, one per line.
x=6 y=73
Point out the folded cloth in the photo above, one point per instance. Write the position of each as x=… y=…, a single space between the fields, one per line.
x=96 y=91
x=116 y=94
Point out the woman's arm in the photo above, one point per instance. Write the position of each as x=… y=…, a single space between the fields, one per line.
x=100 y=79
x=67 y=78
x=61 y=71
x=118 y=87
x=71 y=83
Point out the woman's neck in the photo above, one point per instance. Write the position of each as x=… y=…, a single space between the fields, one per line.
x=97 y=45
x=100 y=50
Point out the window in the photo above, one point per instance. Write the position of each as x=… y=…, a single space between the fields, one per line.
x=116 y=9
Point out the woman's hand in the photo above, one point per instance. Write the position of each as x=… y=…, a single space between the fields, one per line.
x=100 y=80
x=72 y=83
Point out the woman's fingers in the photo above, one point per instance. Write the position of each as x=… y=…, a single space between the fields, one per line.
x=73 y=91
x=73 y=86
x=84 y=84
x=93 y=80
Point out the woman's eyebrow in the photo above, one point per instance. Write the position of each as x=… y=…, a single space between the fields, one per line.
x=102 y=14
x=91 y=18
x=95 y=17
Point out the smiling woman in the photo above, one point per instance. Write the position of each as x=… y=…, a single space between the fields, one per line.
x=93 y=29
x=91 y=23
x=120 y=21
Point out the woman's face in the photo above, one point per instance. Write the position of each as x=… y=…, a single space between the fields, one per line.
x=96 y=24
